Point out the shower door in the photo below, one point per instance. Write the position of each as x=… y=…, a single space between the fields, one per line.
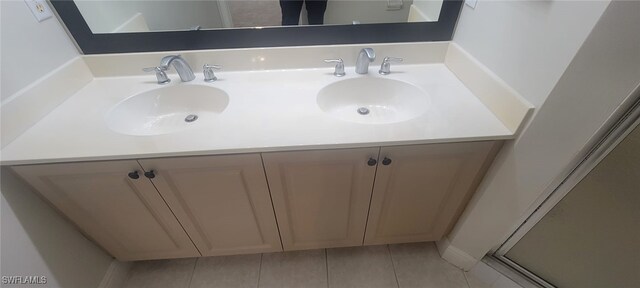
x=587 y=233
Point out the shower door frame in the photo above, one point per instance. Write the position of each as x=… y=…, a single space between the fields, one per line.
x=603 y=143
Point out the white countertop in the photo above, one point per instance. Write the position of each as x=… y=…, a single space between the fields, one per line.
x=271 y=110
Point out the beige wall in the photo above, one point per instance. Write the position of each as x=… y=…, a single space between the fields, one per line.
x=105 y=16
x=347 y=11
x=527 y=43
x=431 y=8
x=29 y=49
x=37 y=241
x=601 y=75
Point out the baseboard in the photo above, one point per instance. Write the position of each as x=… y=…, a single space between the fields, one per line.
x=455 y=256
x=115 y=275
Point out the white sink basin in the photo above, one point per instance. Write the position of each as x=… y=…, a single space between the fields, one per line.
x=371 y=100
x=167 y=110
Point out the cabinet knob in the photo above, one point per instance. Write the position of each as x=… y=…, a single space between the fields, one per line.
x=386 y=161
x=372 y=162
x=134 y=175
x=150 y=174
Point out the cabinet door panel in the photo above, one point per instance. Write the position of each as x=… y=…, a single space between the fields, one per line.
x=125 y=216
x=421 y=193
x=321 y=198
x=222 y=201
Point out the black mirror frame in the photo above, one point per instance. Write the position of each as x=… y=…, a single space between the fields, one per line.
x=91 y=43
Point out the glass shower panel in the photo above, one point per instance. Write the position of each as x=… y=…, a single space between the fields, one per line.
x=591 y=238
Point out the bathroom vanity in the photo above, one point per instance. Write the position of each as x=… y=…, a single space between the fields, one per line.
x=271 y=156
x=219 y=205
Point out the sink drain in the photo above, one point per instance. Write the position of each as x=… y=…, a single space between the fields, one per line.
x=363 y=110
x=190 y=118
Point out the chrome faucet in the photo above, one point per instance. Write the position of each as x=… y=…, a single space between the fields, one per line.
x=385 y=68
x=209 y=74
x=160 y=74
x=339 y=70
x=181 y=66
x=366 y=56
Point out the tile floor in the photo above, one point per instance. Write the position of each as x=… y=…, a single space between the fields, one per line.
x=400 y=265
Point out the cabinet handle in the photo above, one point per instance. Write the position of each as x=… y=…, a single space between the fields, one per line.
x=372 y=162
x=134 y=175
x=150 y=174
x=386 y=161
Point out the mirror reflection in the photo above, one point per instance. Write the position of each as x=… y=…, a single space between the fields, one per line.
x=113 y=16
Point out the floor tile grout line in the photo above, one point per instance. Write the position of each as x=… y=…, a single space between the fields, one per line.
x=193 y=271
x=393 y=265
x=326 y=264
x=190 y=281
x=259 y=271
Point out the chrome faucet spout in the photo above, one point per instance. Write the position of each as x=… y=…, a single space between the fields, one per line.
x=366 y=56
x=181 y=66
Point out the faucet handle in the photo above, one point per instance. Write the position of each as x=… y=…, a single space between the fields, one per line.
x=207 y=70
x=339 y=72
x=161 y=75
x=385 y=68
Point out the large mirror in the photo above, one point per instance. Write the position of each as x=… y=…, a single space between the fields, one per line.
x=116 y=16
x=114 y=26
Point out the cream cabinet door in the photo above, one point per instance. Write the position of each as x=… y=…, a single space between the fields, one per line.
x=421 y=190
x=126 y=216
x=222 y=201
x=321 y=198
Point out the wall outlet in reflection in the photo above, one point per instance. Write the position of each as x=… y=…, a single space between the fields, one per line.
x=471 y=3
x=40 y=9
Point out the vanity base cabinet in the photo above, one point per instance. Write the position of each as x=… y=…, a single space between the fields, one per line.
x=126 y=216
x=228 y=204
x=421 y=190
x=321 y=198
x=222 y=201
